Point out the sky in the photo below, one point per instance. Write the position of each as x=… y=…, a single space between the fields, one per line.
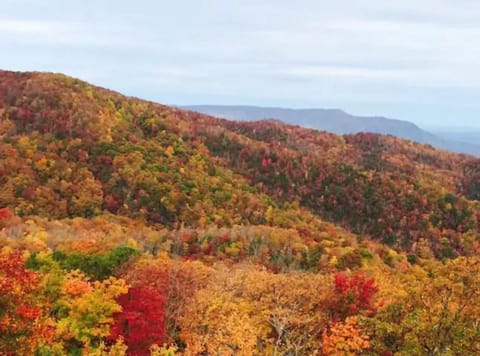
x=416 y=60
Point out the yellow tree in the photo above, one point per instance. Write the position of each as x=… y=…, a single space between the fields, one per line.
x=266 y=313
x=344 y=339
x=86 y=308
x=216 y=322
x=294 y=307
x=434 y=311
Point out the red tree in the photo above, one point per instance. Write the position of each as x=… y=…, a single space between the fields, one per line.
x=21 y=329
x=142 y=320
x=5 y=213
x=6 y=218
x=353 y=295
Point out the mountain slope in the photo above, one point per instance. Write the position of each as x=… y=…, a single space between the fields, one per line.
x=70 y=149
x=339 y=122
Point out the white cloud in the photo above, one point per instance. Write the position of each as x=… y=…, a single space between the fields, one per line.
x=61 y=33
x=23 y=27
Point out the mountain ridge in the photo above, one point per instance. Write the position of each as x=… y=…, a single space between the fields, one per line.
x=337 y=121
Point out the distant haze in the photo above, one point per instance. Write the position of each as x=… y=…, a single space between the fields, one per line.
x=462 y=135
x=412 y=60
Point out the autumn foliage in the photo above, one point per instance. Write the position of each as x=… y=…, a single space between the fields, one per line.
x=344 y=338
x=353 y=295
x=22 y=313
x=141 y=323
x=133 y=228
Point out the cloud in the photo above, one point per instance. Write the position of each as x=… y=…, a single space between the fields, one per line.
x=399 y=58
x=31 y=28
x=66 y=33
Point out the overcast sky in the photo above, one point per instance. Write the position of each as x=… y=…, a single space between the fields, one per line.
x=417 y=60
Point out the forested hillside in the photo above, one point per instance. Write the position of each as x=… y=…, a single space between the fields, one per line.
x=129 y=227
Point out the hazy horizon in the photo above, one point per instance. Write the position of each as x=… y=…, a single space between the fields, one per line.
x=448 y=127
x=407 y=61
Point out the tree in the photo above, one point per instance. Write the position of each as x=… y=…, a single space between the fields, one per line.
x=24 y=323
x=353 y=295
x=85 y=309
x=344 y=338
x=141 y=323
x=217 y=322
x=434 y=311
x=176 y=280
x=99 y=267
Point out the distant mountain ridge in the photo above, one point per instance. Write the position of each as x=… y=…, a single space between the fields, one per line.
x=339 y=122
